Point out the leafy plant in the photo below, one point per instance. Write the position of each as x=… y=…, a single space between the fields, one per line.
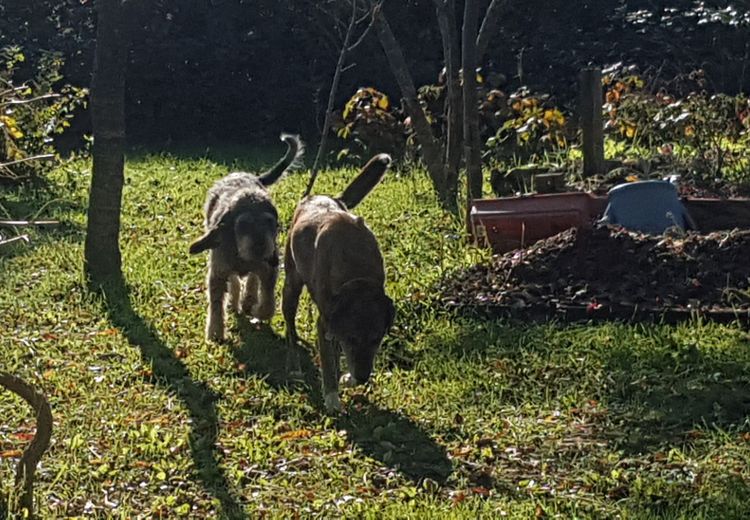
x=370 y=121
x=708 y=133
x=534 y=126
x=32 y=112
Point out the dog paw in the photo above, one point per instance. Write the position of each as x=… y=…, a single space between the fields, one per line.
x=215 y=332
x=263 y=312
x=332 y=402
x=348 y=380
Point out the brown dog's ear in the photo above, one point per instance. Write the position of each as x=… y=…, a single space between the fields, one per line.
x=209 y=240
x=390 y=313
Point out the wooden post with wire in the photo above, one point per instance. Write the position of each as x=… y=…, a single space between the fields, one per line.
x=592 y=124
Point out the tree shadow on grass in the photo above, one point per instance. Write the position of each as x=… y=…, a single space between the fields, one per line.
x=170 y=373
x=389 y=437
x=664 y=397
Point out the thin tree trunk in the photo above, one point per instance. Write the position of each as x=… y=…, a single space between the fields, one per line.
x=431 y=151
x=489 y=26
x=332 y=99
x=102 y=250
x=472 y=150
x=446 y=15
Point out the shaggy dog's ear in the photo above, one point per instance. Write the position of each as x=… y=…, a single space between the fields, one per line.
x=210 y=240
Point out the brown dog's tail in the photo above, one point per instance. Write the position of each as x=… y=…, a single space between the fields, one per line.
x=363 y=183
x=292 y=158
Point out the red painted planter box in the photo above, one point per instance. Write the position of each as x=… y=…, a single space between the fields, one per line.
x=509 y=223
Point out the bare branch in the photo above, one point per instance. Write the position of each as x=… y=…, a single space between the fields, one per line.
x=431 y=152
x=332 y=99
x=487 y=31
x=44 y=157
x=33 y=453
x=20 y=223
x=24 y=238
x=472 y=147
x=14 y=102
x=362 y=37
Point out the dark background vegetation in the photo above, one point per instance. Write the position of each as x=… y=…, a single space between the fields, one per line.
x=243 y=70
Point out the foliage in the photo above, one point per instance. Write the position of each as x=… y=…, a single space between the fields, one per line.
x=370 y=122
x=465 y=418
x=33 y=112
x=210 y=70
x=533 y=126
x=707 y=131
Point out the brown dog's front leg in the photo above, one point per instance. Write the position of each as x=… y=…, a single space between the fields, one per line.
x=329 y=366
x=289 y=304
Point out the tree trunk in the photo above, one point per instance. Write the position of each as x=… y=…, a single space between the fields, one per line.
x=446 y=15
x=102 y=249
x=472 y=148
x=431 y=152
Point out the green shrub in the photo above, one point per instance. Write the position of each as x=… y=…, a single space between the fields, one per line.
x=32 y=112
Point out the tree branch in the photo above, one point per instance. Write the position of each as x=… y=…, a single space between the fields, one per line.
x=13 y=102
x=332 y=99
x=33 y=453
x=487 y=31
x=431 y=152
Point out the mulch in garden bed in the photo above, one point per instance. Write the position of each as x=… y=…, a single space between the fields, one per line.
x=610 y=272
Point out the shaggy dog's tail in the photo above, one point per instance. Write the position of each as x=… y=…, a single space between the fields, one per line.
x=363 y=183
x=292 y=159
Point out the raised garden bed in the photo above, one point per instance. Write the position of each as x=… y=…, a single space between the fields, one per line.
x=509 y=223
x=607 y=273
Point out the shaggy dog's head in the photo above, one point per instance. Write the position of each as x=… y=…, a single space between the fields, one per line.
x=248 y=224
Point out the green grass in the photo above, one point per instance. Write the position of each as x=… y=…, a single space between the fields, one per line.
x=464 y=419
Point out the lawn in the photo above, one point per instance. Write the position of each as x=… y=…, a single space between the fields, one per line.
x=464 y=418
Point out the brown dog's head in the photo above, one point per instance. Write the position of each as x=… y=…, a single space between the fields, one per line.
x=360 y=316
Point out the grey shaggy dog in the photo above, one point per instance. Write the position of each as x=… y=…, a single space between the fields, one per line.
x=241 y=228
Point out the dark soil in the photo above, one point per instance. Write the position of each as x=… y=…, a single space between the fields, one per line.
x=611 y=267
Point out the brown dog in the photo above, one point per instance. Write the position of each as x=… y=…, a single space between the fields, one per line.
x=334 y=254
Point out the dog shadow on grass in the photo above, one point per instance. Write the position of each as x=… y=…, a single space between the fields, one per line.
x=172 y=374
x=384 y=435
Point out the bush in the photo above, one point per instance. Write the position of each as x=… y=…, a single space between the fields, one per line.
x=32 y=112
x=707 y=133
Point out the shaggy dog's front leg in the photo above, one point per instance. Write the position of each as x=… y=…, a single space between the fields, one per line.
x=235 y=287
x=250 y=294
x=217 y=287
x=265 y=307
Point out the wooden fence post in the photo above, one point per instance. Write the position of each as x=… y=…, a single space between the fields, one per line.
x=592 y=125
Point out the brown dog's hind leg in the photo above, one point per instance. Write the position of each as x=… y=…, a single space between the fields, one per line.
x=289 y=304
x=329 y=367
